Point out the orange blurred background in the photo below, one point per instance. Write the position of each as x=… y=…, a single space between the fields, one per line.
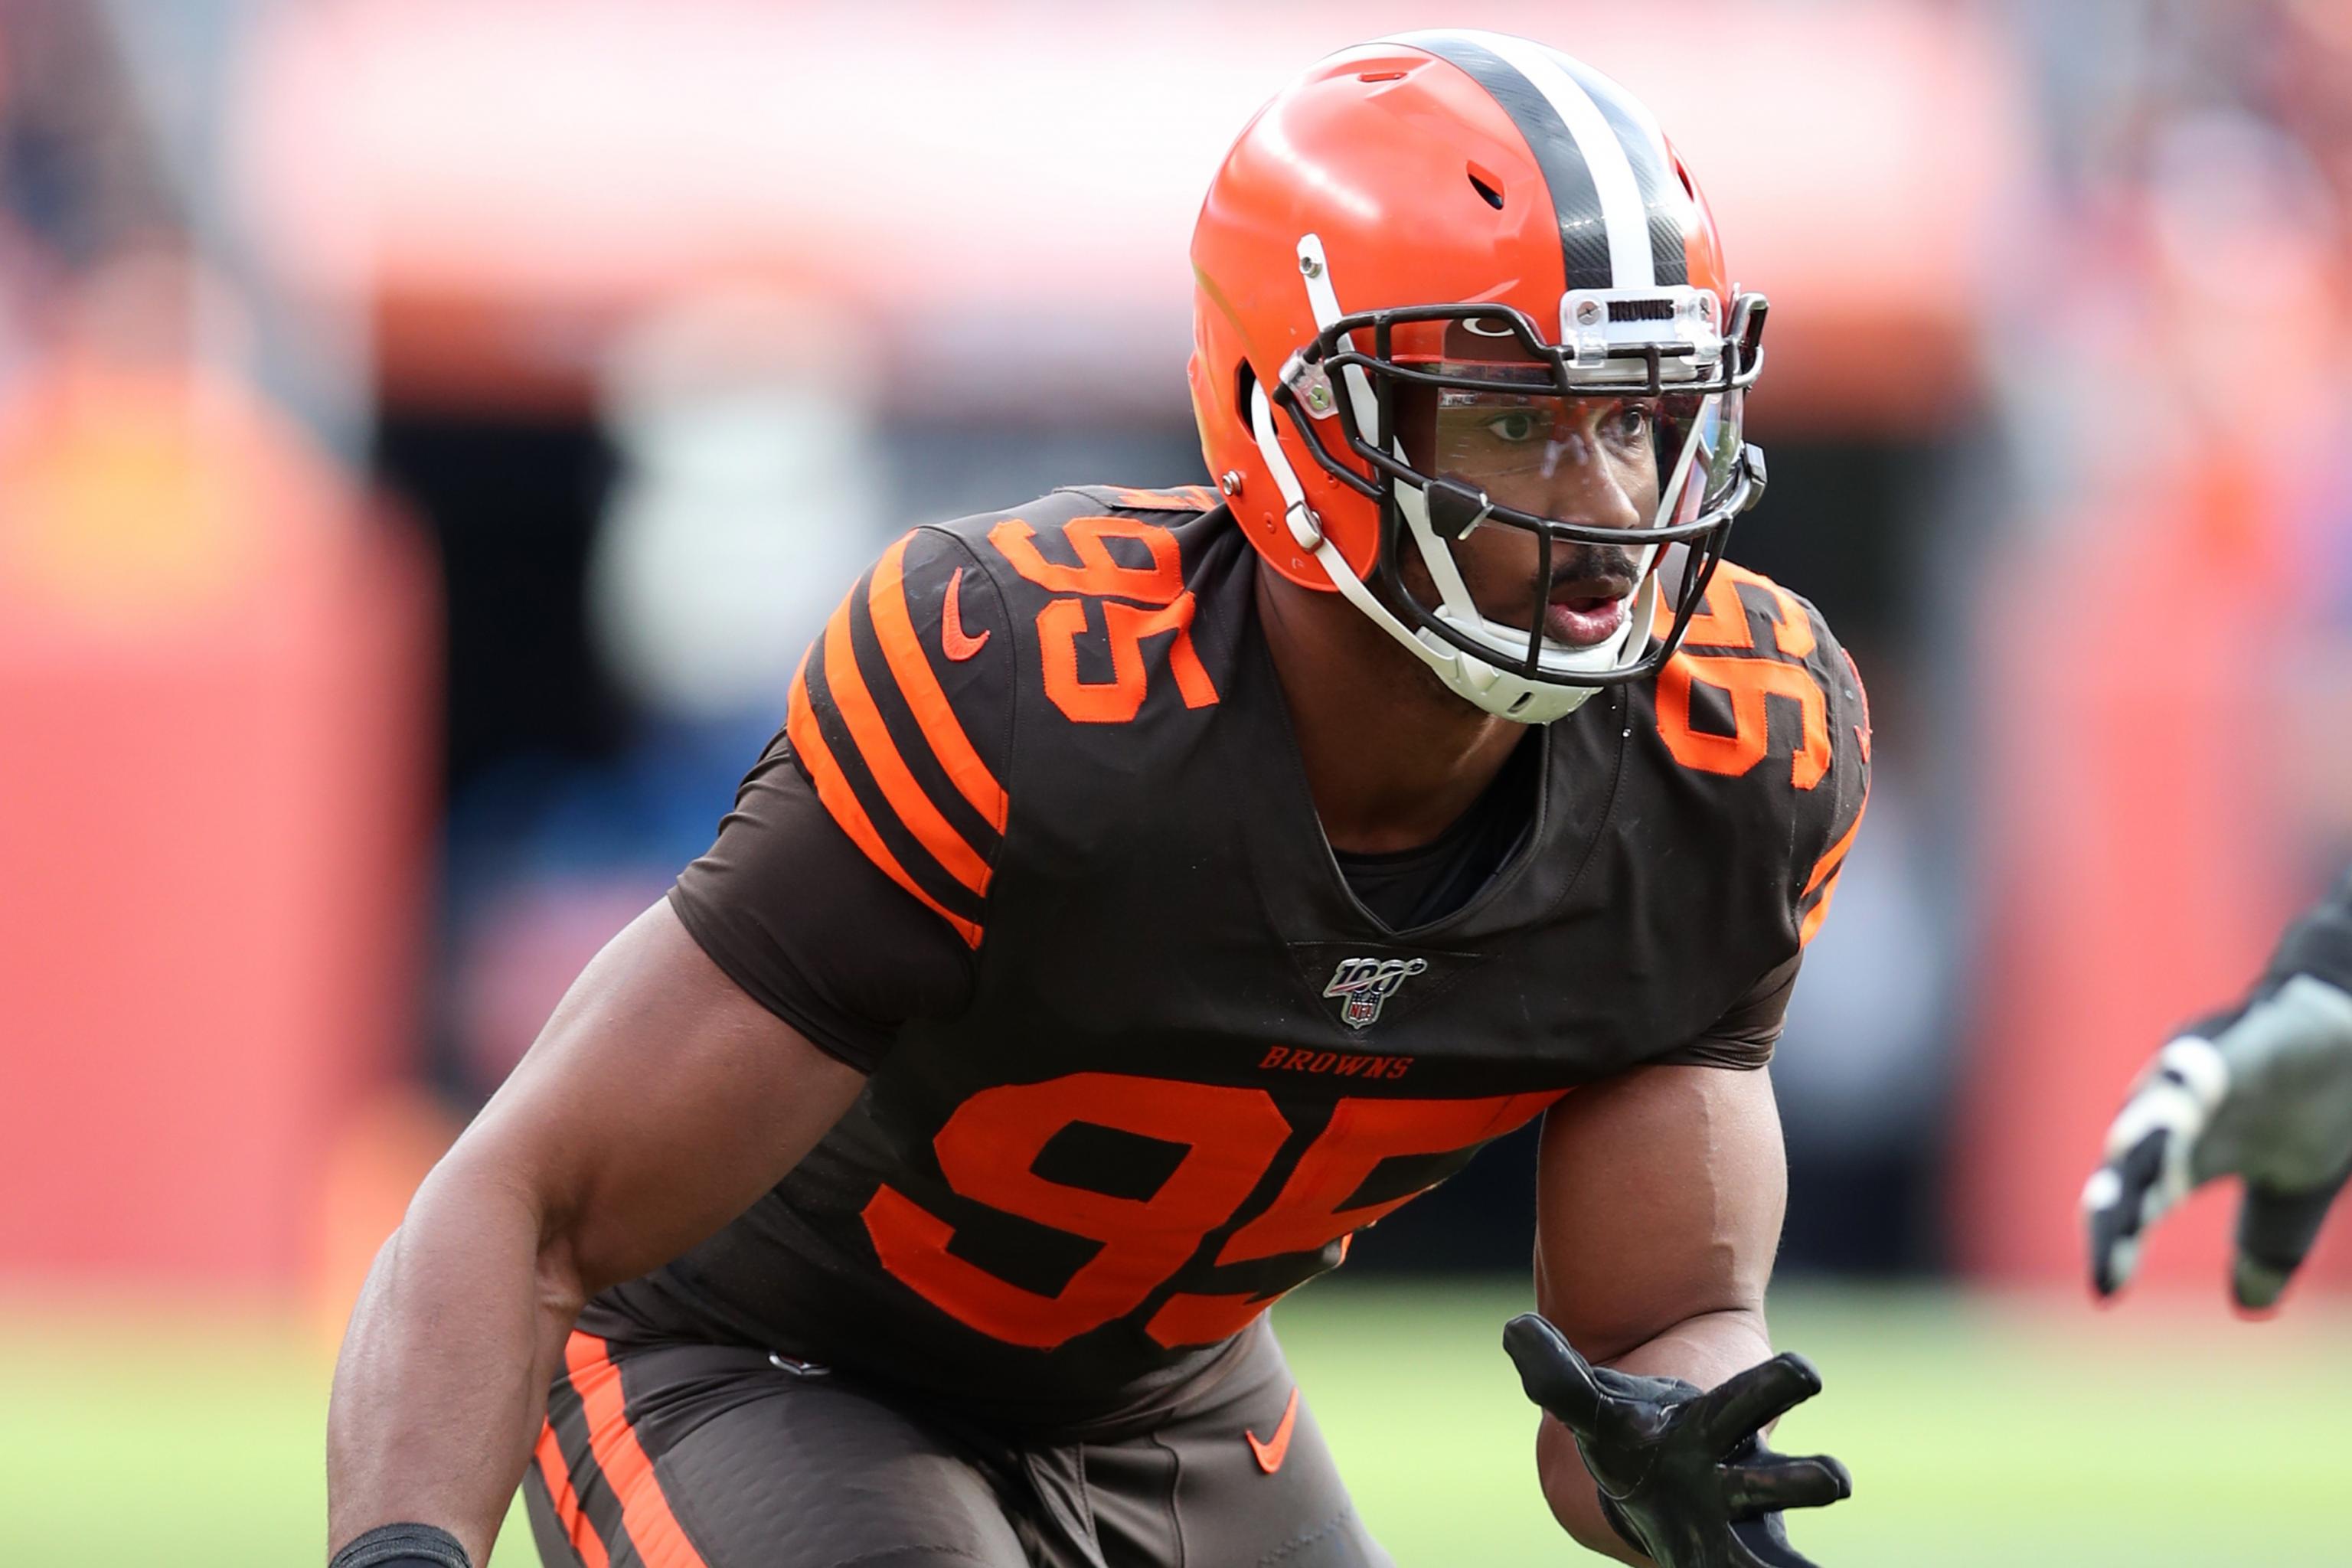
x=430 y=428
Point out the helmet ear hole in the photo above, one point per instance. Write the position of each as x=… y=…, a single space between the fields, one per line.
x=1489 y=189
x=1245 y=383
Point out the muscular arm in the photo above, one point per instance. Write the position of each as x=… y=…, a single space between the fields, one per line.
x=658 y=1104
x=1659 y=1201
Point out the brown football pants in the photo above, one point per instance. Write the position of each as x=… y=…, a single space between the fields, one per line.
x=690 y=1456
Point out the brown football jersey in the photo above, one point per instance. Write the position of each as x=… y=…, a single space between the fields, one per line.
x=1036 y=850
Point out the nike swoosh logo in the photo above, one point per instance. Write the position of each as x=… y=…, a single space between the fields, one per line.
x=1270 y=1455
x=957 y=643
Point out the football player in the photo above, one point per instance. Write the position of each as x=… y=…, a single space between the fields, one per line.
x=2261 y=1091
x=1149 y=889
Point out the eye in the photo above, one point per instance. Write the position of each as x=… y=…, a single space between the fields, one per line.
x=1626 y=426
x=1516 y=425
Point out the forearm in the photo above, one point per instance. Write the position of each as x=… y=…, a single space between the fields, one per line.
x=659 y=1103
x=1704 y=1351
x=442 y=1382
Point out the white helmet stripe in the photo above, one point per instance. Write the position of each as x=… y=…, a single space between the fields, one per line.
x=1627 y=217
x=1670 y=205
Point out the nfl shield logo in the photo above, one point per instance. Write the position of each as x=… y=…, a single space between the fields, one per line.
x=1363 y=983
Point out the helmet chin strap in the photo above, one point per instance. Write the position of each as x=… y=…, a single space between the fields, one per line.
x=1475 y=680
x=1461 y=610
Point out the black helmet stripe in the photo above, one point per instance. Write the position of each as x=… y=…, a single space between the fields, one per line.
x=1584 y=246
x=1663 y=195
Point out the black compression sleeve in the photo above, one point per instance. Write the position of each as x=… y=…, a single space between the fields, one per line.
x=406 y=1545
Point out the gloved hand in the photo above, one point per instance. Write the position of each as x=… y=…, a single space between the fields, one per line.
x=1685 y=1474
x=2264 y=1093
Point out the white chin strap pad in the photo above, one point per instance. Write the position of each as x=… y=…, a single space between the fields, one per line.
x=1482 y=685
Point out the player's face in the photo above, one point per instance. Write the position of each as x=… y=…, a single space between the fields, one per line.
x=1601 y=461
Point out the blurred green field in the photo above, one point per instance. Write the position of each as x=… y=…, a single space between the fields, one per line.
x=1979 y=1431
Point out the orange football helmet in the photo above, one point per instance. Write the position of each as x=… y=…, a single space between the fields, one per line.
x=1476 y=244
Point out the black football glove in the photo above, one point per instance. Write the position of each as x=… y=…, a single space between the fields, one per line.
x=406 y=1545
x=1685 y=1474
x=2264 y=1094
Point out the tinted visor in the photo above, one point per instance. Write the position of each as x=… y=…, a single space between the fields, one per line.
x=1596 y=458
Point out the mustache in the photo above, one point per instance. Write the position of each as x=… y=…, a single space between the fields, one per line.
x=1581 y=562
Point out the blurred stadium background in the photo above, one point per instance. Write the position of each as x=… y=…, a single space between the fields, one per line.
x=429 y=429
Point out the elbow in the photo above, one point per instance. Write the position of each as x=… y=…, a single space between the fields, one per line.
x=496 y=1215
x=560 y=1297
x=560 y=1286
x=1560 y=1470
x=1605 y=1342
x=1574 y=1498
x=562 y=1279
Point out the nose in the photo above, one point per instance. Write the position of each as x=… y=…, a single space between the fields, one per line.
x=1582 y=482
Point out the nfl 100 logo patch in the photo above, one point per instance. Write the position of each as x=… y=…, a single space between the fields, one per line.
x=1363 y=984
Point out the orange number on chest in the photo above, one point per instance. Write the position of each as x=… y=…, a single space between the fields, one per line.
x=990 y=1147
x=1315 y=1209
x=987 y=1150
x=1748 y=680
x=1164 y=605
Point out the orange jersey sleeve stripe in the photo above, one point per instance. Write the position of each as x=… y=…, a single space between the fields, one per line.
x=833 y=791
x=895 y=627
x=1176 y=498
x=1826 y=872
x=1817 y=913
x=577 y=1529
x=644 y=1511
x=1834 y=856
x=851 y=699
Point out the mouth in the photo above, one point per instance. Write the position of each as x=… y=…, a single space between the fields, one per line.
x=1586 y=611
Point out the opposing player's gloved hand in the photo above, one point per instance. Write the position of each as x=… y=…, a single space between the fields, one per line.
x=1683 y=1474
x=2264 y=1094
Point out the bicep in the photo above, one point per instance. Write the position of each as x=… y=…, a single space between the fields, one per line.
x=1659 y=1199
x=660 y=1101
